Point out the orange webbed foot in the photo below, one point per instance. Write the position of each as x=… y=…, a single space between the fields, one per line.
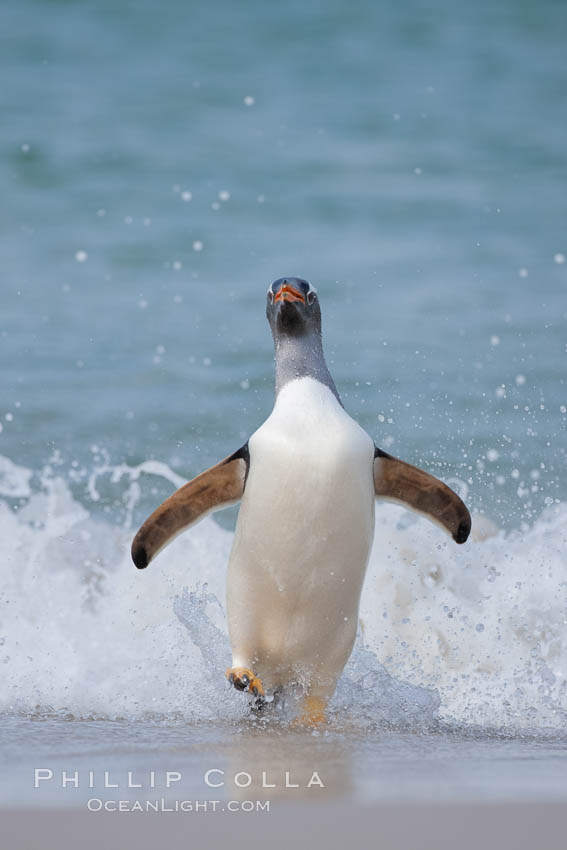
x=244 y=679
x=312 y=712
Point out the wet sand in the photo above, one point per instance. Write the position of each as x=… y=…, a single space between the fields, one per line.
x=388 y=827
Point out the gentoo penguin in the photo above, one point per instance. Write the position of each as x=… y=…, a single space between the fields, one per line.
x=307 y=480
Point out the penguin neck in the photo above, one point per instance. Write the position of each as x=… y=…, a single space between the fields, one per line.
x=302 y=357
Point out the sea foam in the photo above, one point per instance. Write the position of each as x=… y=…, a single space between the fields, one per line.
x=472 y=635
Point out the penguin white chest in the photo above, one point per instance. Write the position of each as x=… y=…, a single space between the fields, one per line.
x=304 y=534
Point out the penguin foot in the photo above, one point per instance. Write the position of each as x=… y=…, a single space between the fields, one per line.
x=312 y=712
x=244 y=679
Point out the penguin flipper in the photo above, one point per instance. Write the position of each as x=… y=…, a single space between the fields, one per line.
x=218 y=487
x=398 y=481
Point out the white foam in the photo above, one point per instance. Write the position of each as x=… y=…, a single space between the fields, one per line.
x=484 y=624
x=82 y=632
x=14 y=480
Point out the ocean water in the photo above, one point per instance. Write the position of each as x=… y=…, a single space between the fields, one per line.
x=160 y=167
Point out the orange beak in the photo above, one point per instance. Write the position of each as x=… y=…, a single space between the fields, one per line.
x=289 y=293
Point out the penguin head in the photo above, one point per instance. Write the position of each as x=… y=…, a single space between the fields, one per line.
x=292 y=307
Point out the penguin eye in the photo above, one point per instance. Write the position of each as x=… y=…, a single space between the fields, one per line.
x=311 y=296
x=271 y=296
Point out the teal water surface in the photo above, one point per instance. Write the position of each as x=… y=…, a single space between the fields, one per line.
x=162 y=164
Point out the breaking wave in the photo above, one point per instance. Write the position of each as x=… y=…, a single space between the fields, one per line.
x=474 y=635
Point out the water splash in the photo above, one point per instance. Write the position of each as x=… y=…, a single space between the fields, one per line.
x=474 y=635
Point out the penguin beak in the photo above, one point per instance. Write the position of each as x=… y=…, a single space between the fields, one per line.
x=289 y=293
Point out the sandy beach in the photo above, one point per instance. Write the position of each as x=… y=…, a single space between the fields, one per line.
x=393 y=827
